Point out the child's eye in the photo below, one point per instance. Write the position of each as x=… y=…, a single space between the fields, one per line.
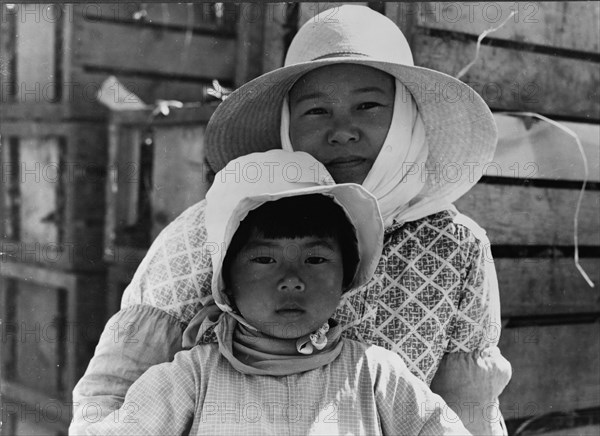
x=368 y=105
x=315 y=260
x=262 y=259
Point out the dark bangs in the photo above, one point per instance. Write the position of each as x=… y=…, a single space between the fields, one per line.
x=314 y=215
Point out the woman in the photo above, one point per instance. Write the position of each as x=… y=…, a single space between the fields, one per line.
x=415 y=138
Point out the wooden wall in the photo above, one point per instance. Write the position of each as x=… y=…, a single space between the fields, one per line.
x=55 y=142
x=545 y=60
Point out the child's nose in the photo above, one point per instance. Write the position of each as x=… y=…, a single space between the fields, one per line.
x=291 y=283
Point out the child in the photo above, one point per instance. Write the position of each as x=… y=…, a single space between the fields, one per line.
x=279 y=365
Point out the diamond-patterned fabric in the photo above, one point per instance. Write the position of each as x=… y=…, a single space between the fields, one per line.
x=434 y=291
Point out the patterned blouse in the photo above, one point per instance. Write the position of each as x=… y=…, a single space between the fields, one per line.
x=434 y=291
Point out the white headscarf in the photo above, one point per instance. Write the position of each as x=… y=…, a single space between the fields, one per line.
x=398 y=175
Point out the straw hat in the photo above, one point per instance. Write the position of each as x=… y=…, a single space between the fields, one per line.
x=459 y=125
x=252 y=180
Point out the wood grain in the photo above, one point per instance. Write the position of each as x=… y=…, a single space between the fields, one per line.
x=511 y=79
x=555 y=368
x=545 y=287
x=160 y=52
x=518 y=215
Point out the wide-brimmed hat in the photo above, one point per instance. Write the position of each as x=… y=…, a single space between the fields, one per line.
x=459 y=125
x=252 y=180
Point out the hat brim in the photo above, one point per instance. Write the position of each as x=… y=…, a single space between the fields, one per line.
x=459 y=125
x=360 y=207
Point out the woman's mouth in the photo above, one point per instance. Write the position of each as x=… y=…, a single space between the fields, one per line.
x=347 y=162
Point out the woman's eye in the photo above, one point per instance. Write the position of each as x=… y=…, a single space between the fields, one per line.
x=315 y=111
x=262 y=259
x=314 y=260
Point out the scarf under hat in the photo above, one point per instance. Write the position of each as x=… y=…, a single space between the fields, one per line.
x=398 y=175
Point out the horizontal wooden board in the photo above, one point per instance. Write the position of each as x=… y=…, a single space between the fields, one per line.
x=196 y=16
x=147 y=89
x=569 y=25
x=532 y=149
x=518 y=215
x=113 y=46
x=555 y=368
x=511 y=79
x=542 y=286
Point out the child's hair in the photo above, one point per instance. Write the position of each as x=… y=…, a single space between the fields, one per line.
x=296 y=217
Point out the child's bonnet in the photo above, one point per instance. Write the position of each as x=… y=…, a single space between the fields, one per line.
x=243 y=185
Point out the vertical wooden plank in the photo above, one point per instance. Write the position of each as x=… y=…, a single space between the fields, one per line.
x=35 y=48
x=40 y=214
x=8 y=23
x=11 y=193
x=39 y=353
x=249 y=51
x=405 y=15
x=179 y=178
x=274 y=39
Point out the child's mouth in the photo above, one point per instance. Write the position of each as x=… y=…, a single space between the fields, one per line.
x=290 y=311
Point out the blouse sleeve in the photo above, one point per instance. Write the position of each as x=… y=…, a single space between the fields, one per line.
x=133 y=340
x=161 y=402
x=473 y=372
x=477 y=323
x=175 y=275
x=407 y=406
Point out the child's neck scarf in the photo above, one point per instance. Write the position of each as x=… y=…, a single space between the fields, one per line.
x=252 y=352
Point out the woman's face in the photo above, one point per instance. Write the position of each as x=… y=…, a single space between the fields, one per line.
x=340 y=114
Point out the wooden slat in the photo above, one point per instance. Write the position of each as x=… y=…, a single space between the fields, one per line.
x=40 y=275
x=40 y=205
x=7 y=54
x=517 y=215
x=105 y=45
x=511 y=79
x=569 y=25
x=198 y=16
x=530 y=286
x=147 y=89
x=179 y=173
x=555 y=368
x=36 y=53
x=40 y=353
x=249 y=51
x=539 y=150
x=274 y=33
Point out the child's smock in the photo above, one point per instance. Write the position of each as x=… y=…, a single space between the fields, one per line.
x=434 y=292
x=366 y=390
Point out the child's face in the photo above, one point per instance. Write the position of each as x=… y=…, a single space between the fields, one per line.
x=340 y=114
x=287 y=288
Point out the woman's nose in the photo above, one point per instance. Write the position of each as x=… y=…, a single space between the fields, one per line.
x=291 y=283
x=343 y=131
